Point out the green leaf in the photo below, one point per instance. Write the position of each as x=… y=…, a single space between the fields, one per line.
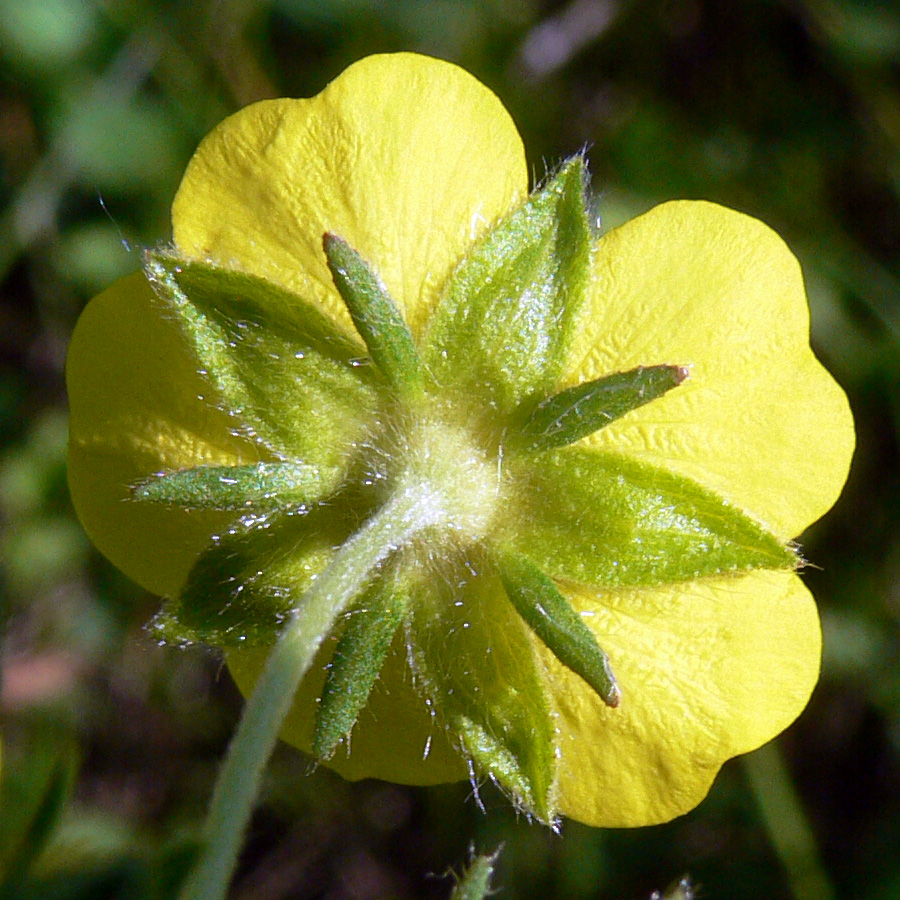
x=602 y=519
x=475 y=663
x=240 y=488
x=285 y=373
x=38 y=775
x=575 y=413
x=250 y=578
x=357 y=662
x=549 y=615
x=375 y=315
x=504 y=322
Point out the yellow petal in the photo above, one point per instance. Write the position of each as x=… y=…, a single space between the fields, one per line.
x=137 y=407
x=396 y=738
x=759 y=421
x=708 y=670
x=407 y=158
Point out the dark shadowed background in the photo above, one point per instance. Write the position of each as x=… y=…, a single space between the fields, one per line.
x=787 y=110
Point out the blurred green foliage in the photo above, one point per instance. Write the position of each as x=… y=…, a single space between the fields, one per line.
x=787 y=110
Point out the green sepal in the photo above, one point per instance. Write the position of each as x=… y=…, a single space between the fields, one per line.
x=551 y=617
x=261 y=485
x=575 y=413
x=357 y=662
x=375 y=315
x=602 y=519
x=251 y=577
x=504 y=322
x=472 y=658
x=266 y=351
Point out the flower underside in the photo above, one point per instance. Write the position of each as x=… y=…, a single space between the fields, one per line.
x=469 y=425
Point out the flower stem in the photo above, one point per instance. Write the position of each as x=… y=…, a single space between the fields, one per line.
x=787 y=823
x=257 y=732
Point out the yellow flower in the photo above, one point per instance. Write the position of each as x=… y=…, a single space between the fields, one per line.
x=235 y=393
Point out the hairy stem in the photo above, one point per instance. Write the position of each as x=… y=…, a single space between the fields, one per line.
x=241 y=773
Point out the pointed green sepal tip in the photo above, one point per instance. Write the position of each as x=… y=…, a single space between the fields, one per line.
x=260 y=350
x=357 y=662
x=506 y=317
x=575 y=413
x=465 y=643
x=551 y=617
x=374 y=313
x=238 y=487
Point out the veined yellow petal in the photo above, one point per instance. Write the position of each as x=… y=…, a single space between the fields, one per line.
x=708 y=669
x=407 y=158
x=138 y=406
x=759 y=421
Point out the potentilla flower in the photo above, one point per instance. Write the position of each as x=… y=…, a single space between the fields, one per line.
x=566 y=467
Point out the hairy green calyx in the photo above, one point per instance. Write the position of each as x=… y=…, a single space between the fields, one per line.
x=461 y=445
